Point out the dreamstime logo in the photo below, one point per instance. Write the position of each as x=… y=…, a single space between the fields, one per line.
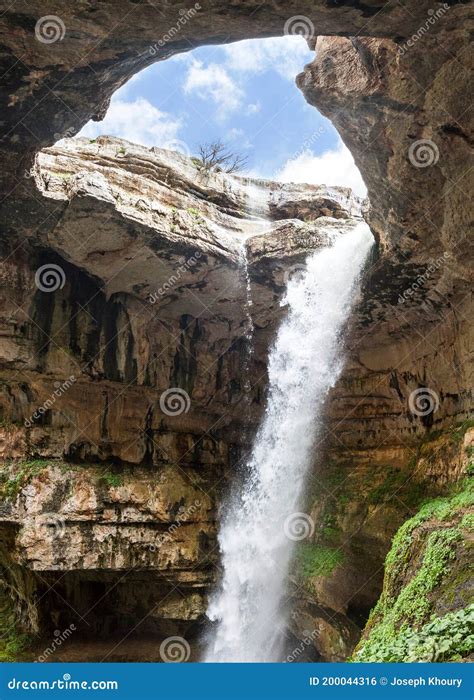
x=175 y=401
x=423 y=401
x=433 y=17
x=68 y=134
x=59 y=638
x=310 y=141
x=307 y=640
x=174 y=650
x=49 y=29
x=60 y=389
x=423 y=153
x=299 y=25
x=298 y=526
x=51 y=525
x=183 y=516
x=179 y=146
x=50 y=278
x=175 y=277
x=424 y=277
x=294 y=273
x=185 y=14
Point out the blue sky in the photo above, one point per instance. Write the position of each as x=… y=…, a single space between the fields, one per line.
x=243 y=94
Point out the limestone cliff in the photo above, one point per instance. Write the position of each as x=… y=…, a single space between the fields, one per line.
x=136 y=311
x=130 y=383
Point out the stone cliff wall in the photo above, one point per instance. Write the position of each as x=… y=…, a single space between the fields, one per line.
x=138 y=312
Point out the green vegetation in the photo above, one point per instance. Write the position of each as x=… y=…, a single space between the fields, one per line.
x=15 y=475
x=315 y=560
x=457 y=435
x=194 y=212
x=394 y=483
x=401 y=626
x=111 y=478
x=13 y=643
x=330 y=529
x=447 y=638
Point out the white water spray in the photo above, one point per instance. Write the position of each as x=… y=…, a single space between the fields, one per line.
x=261 y=525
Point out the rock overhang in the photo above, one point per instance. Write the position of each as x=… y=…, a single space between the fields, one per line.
x=149 y=222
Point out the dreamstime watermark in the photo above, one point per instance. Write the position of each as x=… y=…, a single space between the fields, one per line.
x=64 y=683
x=310 y=141
x=422 y=279
x=423 y=401
x=185 y=14
x=177 y=146
x=175 y=401
x=174 y=650
x=59 y=639
x=433 y=17
x=67 y=134
x=294 y=273
x=49 y=29
x=299 y=25
x=175 y=277
x=61 y=388
x=298 y=526
x=423 y=153
x=183 y=516
x=50 y=525
x=50 y=278
x=307 y=641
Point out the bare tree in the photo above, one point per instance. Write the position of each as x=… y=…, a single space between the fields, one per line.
x=216 y=157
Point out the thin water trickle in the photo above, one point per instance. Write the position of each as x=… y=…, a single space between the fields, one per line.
x=256 y=545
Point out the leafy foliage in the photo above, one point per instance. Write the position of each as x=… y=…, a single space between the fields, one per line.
x=401 y=626
x=447 y=638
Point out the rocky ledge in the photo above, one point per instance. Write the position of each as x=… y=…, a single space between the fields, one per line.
x=125 y=392
x=181 y=228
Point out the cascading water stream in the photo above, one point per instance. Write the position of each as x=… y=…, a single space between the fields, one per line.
x=258 y=529
x=249 y=327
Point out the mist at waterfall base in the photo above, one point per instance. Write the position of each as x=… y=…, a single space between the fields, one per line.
x=261 y=524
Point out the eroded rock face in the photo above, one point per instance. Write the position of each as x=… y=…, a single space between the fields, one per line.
x=126 y=380
x=410 y=329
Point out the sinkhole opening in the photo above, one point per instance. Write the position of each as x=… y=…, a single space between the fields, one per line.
x=241 y=96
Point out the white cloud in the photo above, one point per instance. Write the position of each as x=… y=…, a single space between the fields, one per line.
x=235 y=133
x=213 y=82
x=253 y=108
x=137 y=121
x=286 y=55
x=335 y=167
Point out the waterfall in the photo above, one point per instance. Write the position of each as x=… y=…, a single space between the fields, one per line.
x=258 y=529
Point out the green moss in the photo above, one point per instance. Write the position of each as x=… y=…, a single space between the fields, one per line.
x=111 y=478
x=13 y=642
x=468 y=521
x=315 y=560
x=400 y=622
x=399 y=482
x=458 y=434
x=15 y=475
x=447 y=638
x=194 y=212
